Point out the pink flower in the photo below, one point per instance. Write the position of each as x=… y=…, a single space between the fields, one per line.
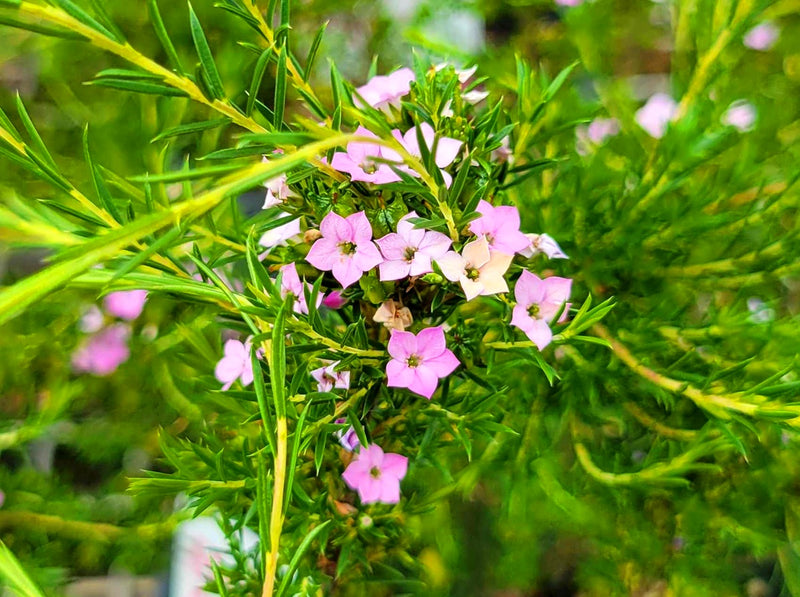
x=478 y=270
x=327 y=378
x=125 y=304
x=418 y=362
x=277 y=189
x=276 y=237
x=503 y=153
x=235 y=364
x=538 y=301
x=595 y=133
x=656 y=114
x=383 y=92
x=543 y=243
x=569 y=2
x=347 y=437
x=741 y=115
x=92 y=320
x=393 y=316
x=376 y=476
x=761 y=37
x=408 y=252
x=500 y=226
x=102 y=353
x=334 y=300
x=362 y=160
x=446 y=149
x=291 y=284
x=346 y=247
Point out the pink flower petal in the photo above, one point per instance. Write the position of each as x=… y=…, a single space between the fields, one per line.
x=336 y=228
x=362 y=230
x=346 y=271
x=390 y=490
x=425 y=381
x=394 y=270
x=446 y=151
x=394 y=465
x=540 y=334
x=431 y=342
x=324 y=254
x=402 y=345
x=444 y=364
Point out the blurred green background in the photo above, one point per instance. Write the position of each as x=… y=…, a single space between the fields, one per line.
x=533 y=522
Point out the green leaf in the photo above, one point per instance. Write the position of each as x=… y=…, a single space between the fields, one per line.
x=313 y=50
x=192 y=127
x=277 y=374
x=299 y=553
x=207 y=64
x=47 y=30
x=84 y=17
x=258 y=76
x=138 y=87
x=267 y=426
x=293 y=455
x=99 y=184
x=163 y=36
x=15 y=577
x=280 y=90
x=181 y=175
x=36 y=140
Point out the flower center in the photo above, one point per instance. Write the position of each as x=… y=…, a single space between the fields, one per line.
x=375 y=472
x=533 y=311
x=414 y=360
x=347 y=248
x=409 y=254
x=472 y=272
x=369 y=166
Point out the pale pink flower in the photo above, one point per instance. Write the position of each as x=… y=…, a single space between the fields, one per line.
x=538 y=301
x=503 y=153
x=328 y=379
x=125 y=304
x=418 y=362
x=656 y=114
x=92 y=320
x=478 y=270
x=408 y=252
x=500 y=226
x=103 y=352
x=569 y=2
x=361 y=160
x=741 y=115
x=347 y=437
x=595 y=133
x=761 y=37
x=291 y=284
x=545 y=244
x=277 y=237
x=393 y=316
x=376 y=475
x=235 y=364
x=277 y=189
x=334 y=300
x=346 y=248
x=446 y=149
x=384 y=92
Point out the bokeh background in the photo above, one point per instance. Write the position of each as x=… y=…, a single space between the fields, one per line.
x=534 y=524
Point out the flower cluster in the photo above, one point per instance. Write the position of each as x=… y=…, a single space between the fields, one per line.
x=106 y=347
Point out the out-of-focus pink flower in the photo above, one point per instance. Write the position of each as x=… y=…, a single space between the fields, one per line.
x=277 y=189
x=92 y=320
x=347 y=437
x=291 y=284
x=376 y=475
x=595 y=133
x=503 y=153
x=346 y=248
x=393 y=316
x=334 y=300
x=384 y=92
x=478 y=270
x=543 y=243
x=277 y=237
x=328 y=379
x=361 y=160
x=761 y=37
x=235 y=364
x=418 y=362
x=741 y=115
x=569 y=2
x=656 y=114
x=103 y=352
x=446 y=149
x=125 y=304
x=538 y=301
x=500 y=226
x=408 y=252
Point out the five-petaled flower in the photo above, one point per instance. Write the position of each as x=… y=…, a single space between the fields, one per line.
x=277 y=189
x=291 y=284
x=328 y=378
x=235 y=364
x=545 y=244
x=384 y=91
x=418 y=362
x=362 y=160
x=393 y=316
x=275 y=237
x=376 y=475
x=538 y=301
x=125 y=304
x=500 y=226
x=477 y=269
x=409 y=251
x=446 y=149
x=346 y=248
